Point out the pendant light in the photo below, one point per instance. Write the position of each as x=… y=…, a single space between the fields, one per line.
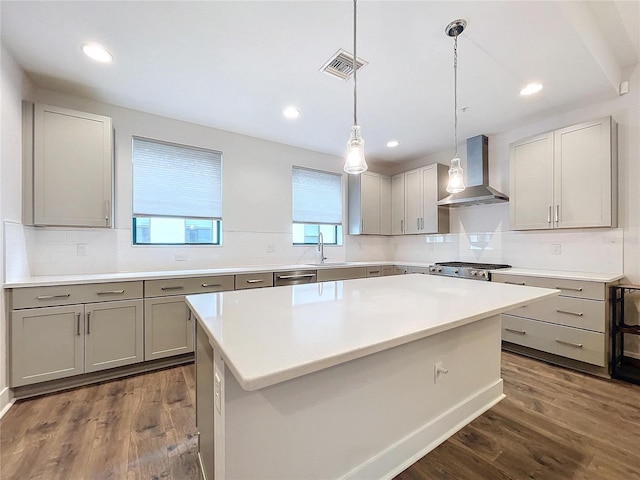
x=456 y=179
x=355 y=162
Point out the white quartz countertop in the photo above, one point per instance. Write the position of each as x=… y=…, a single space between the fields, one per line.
x=45 y=280
x=601 y=277
x=270 y=335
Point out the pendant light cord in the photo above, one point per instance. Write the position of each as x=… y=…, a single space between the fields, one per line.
x=355 y=70
x=455 y=95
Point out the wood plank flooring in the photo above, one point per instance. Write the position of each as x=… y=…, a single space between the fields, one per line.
x=554 y=424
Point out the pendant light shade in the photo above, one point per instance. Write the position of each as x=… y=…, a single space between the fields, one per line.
x=355 y=162
x=456 y=177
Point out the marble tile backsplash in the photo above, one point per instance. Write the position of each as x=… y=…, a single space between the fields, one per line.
x=54 y=251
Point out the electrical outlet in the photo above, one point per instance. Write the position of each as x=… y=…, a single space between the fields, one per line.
x=439 y=372
x=81 y=249
x=271 y=248
x=181 y=257
x=556 y=249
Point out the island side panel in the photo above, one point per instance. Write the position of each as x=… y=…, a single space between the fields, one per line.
x=367 y=418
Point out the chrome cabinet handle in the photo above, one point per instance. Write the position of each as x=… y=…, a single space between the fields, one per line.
x=549 y=214
x=78 y=325
x=401 y=226
x=518 y=332
x=303 y=275
x=177 y=287
x=422 y=222
x=570 y=344
x=569 y=313
x=111 y=292
x=418 y=221
x=374 y=271
x=557 y=213
x=258 y=280
x=515 y=283
x=206 y=285
x=49 y=297
x=107 y=211
x=569 y=288
x=88 y=323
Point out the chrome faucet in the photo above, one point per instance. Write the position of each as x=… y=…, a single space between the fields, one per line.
x=321 y=247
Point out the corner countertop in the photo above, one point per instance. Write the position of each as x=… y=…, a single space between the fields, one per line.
x=600 y=277
x=267 y=336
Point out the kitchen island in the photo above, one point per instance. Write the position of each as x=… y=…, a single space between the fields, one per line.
x=348 y=379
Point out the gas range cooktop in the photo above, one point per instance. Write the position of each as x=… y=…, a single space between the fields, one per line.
x=477 y=271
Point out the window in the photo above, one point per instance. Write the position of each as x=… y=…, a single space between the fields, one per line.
x=317 y=206
x=177 y=194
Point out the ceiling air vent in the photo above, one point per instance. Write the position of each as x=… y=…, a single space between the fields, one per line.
x=340 y=65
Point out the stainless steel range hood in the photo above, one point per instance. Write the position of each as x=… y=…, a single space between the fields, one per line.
x=478 y=191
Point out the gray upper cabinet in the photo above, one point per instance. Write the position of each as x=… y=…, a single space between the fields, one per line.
x=566 y=178
x=423 y=187
x=68 y=167
x=397 y=204
x=369 y=198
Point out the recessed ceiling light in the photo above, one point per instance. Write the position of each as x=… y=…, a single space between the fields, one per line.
x=531 y=89
x=97 y=52
x=393 y=143
x=291 y=112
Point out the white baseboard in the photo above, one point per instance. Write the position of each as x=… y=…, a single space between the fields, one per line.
x=412 y=448
x=6 y=401
x=635 y=355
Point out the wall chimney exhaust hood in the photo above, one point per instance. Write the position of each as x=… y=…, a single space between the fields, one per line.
x=478 y=191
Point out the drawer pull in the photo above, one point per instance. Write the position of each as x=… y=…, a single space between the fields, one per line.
x=49 y=297
x=515 y=283
x=177 y=287
x=518 y=332
x=111 y=292
x=570 y=288
x=303 y=275
x=577 y=314
x=257 y=280
x=88 y=323
x=208 y=285
x=570 y=344
x=374 y=271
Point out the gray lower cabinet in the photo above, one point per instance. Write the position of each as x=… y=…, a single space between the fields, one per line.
x=57 y=342
x=168 y=327
x=205 y=405
x=344 y=273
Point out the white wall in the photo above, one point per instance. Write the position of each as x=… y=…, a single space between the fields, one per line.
x=256 y=204
x=481 y=233
x=12 y=88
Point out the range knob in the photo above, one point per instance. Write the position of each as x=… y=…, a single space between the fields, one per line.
x=473 y=272
x=484 y=274
x=456 y=271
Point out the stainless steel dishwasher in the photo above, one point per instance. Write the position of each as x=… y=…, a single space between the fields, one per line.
x=294 y=277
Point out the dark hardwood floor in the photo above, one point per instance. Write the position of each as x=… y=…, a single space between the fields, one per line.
x=554 y=424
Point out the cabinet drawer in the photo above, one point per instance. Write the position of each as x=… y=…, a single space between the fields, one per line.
x=569 y=311
x=569 y=288
x=581 y=345
x=254 y=280
x=71 y=294
x=374 y=271
x=332 y=274
x=187 y=286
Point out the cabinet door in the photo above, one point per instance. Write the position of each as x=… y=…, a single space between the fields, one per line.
x=168 y=327
x=72 y=168
x=397 y=204
x=205 y=401
x=370 y=202
x=531 y=196
x=46 y=344
x=413 y=201
x=435 y=219
x=385 y=205
x=113 y=334
x=583 y=171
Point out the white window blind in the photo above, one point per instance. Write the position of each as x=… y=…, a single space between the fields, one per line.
x=317 y=197
x=176 y=180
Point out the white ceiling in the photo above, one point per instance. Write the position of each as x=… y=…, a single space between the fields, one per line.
x=235 y=65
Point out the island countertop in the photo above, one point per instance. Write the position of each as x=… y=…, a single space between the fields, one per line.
x=268 y=336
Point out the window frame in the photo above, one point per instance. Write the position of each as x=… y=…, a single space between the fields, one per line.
x=217 y=231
